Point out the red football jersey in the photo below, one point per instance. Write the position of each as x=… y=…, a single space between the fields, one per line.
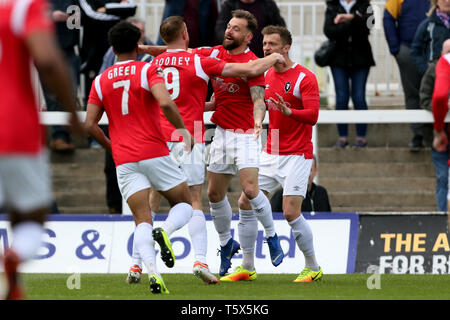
x=234 y=105
x=187 y=75
x=123 y=90
x=299 y=89
x=20 y=130
x=441 y=91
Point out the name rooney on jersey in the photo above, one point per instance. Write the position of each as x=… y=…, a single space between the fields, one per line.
x=121 y=71
x=171 y=61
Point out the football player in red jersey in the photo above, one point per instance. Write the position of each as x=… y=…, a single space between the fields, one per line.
x=132 y=93
x=27 y=33
x=187 y=75
x=292 y=96
x=239 y=113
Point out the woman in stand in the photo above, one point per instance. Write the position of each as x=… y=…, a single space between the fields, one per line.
x=347 y=24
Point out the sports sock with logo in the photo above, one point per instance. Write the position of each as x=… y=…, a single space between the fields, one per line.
x=263 y=210
x=221 y=214
x=248 y=232
x=304 y=238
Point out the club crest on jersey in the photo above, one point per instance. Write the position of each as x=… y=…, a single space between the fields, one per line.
x=287 y=87
x=159 y=72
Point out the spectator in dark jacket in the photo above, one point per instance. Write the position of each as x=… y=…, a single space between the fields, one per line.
x=265 y=11
x=68 y=39
x=347 y=24
x=316 y=196
x=431 y=34
x=440 y=159
x=97 y=17
x=400 y=21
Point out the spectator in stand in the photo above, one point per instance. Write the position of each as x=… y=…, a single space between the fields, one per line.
x=400 y=21
x=316 y=196
x=347 y=25
x=430 y=35
x=439 y=86
x=97 y=17
x=200 y=17
x=113 y=195
x=265 y=11
x=68 y=39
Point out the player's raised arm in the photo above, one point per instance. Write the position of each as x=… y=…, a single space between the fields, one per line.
x=54 y=72
x=151 y=50
x=259 y=107
x=252 y=68
x=171 y=112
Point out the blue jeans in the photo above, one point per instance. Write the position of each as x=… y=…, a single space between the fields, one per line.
x=440 y=162
x=171 y=8
x=350 y=82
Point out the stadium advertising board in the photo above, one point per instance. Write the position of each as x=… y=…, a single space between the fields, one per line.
x=103 y=244
x=413 y=243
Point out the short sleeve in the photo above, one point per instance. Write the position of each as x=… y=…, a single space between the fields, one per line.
x=212 y=66
x=155 y=75
x=256 y=81
x=95 y=95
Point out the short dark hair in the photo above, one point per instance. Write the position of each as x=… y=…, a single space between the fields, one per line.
x=124 y=37
x=252 y=23
x=171 y=28
x=284 y=33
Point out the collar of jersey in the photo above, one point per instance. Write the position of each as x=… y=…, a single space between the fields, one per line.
x=175 y=50
x=123 y=62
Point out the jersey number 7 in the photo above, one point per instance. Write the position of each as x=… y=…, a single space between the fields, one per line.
x=126 y=87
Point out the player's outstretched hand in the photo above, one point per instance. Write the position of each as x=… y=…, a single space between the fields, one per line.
x=440 y=141
x=281 y=105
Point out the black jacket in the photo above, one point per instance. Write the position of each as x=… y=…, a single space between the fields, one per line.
x=352 y=48
x=270 y=16
x=316 y=200
x=67 y=38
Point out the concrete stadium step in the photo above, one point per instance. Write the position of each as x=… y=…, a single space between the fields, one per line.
x=84 y=209
x=68 y=170
x=371 y=154
x=349 y=184
x=80 y=155
x=376 y=170
x=374 y=199
x=378 y=135
x=76 y=183
x=82 y=198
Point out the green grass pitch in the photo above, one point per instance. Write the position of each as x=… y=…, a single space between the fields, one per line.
x=266 y=287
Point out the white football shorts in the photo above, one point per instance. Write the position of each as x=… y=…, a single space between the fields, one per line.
x=231 y=151
x=160 y=173
x=291 y=172
x=25 y=182
x=192 y=164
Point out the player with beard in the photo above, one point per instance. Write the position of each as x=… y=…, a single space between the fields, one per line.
x=239 y=113
x=186 y=76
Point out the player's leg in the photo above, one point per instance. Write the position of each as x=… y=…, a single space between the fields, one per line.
x=294 y=191
x=135 y=188
x=199 y=237
x=26 y=190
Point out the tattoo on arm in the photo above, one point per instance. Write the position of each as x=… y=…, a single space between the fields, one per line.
x=257 y=93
